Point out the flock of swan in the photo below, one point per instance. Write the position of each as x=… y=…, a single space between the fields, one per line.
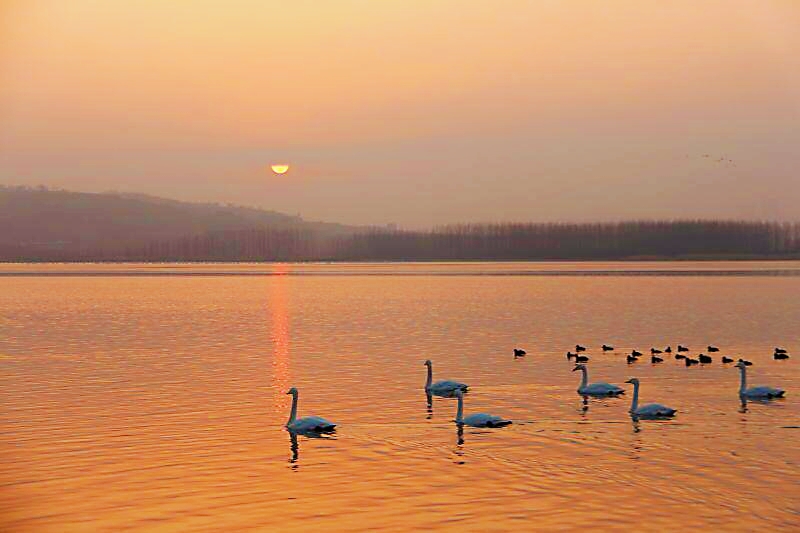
x=455 y=389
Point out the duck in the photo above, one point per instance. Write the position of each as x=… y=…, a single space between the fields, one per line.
x=726 y=360
x=745 y=362
x=636 y=353
x=690 y=361
x=755 y=392
x=579 y=348
x=651 y=410
x=478 y=420
x=682 y=348
x=780 y=356
x=581 y=358
x=442 y=388
x=519 y=352
x=631 y=359
x=680 y=356
x=713 y=349
x=308 y=424
x=607 y=348
x=595 y=389
x=654 y=351
x=779 y=350
x=668 y=349
x=656 y=359
x=704 y=358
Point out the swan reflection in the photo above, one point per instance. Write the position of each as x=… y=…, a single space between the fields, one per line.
x=584 y=405
x=294 y=448
x=743 y=409
x=745 y=401
x=294 y=444
x=459 y=450
x=429 y=403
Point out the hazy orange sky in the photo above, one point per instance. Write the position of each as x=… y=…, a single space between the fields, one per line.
x=414 y=112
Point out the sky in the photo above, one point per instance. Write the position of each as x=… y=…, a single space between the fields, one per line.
x=414 y=112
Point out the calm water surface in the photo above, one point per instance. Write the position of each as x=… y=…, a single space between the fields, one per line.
x=152 y=397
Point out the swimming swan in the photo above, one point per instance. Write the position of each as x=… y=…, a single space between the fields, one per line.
x=478 y=420
x=595 y=389
x=755 y=392
x=651 y=410
x=309 y=424
x=442 y=388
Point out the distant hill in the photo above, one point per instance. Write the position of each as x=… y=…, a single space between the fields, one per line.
x=42 y=223
x=45 y=225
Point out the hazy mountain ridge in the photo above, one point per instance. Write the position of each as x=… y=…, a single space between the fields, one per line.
x=53 y=225
x=42 y=219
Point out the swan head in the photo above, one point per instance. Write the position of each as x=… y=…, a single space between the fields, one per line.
x=634 y=381
x=428 y=363
x=292 y=391
x=579 y=367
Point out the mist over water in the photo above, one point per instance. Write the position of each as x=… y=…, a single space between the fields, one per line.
x=153 y=396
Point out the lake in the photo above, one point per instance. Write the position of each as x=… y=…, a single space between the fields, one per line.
x=153 y=397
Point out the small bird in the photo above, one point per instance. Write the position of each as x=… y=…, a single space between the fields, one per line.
x=780 y=350
x=656 y=359
x=668 y=349
x=780 y=355
x=690 y=361
x=704 y=358
x=607 y=348
x=746 y=363
x=631 y=359
x=713 y=349
x=726 y=359
x=682 y=348
x=636 y=353
x=680 y=356
x=581 y=359
x=579 y=348
x=654 y=351
x=570 y=355
x=519 y=352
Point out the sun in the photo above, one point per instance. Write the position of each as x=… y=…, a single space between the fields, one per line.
x=280 y=169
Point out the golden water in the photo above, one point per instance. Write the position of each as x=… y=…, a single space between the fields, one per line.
x=152 y=397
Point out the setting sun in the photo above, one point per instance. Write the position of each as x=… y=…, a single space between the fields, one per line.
x=280 y=169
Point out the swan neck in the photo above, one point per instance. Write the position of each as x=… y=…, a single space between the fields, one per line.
x=430 y=377
x=743 y=381
x=585 y=378
x=460 y=411
x=293 y=416
x=635 y=402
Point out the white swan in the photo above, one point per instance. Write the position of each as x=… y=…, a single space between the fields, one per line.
x=755 y=392
x=478 y=420
x=308 y=424
x=651 y=410
x=595 y=389
x=442 y=388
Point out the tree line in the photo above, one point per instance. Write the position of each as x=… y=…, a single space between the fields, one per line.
x=462 y=242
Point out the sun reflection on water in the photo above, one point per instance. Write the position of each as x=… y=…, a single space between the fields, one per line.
x=278 y=308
